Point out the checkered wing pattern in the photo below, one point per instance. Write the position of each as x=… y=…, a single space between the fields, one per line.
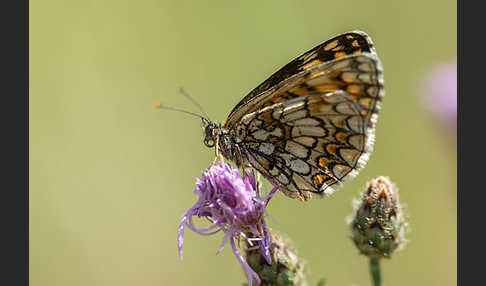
x=270 y=91
x=311 y=125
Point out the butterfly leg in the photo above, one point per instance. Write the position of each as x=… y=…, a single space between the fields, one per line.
x=239 y=161
x=217 y=154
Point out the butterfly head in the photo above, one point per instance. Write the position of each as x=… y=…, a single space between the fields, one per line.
x=211 y=132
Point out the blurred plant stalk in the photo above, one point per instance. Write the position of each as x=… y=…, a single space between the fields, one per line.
x=375 y=271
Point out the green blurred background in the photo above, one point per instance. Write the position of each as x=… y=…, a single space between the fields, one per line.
x=110 y=175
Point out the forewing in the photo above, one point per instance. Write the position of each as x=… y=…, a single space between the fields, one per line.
x=352 y=43
x=309 y=144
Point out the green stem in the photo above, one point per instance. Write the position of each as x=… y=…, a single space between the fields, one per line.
x=375 y=271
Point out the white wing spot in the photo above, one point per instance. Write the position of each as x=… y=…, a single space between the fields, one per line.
x=299 y=166
x=266 y=148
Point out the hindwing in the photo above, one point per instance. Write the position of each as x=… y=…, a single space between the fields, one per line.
x=309 y=144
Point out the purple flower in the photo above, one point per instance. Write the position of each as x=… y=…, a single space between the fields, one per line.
x=233 y=205
x=440 y=94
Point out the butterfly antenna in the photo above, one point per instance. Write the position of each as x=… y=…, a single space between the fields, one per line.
x=184 y=93
x=163 y=106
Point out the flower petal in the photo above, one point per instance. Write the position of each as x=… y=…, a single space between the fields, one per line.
x=249 y=272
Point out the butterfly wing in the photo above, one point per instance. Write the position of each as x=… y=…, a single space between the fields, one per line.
x=308 y=144
x=312 y=142
x=269 y=92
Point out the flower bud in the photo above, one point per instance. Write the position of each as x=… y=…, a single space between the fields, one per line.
x=379 y=225
x=286 y=269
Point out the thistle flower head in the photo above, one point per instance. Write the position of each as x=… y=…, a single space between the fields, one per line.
x=286 y=268
x=233 y=205
x=379 y=225
x=440 y=94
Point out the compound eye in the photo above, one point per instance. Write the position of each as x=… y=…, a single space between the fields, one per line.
x=209 y=143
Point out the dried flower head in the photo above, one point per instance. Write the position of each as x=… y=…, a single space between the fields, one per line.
x=286 y=268
x=379 y=225
x=233 y=205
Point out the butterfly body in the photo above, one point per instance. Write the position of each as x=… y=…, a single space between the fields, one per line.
x=311 y=125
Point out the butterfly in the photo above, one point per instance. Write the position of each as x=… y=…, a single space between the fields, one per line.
x=311 y=125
